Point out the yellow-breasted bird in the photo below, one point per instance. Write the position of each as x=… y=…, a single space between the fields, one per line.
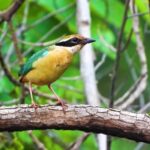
x=47 y=65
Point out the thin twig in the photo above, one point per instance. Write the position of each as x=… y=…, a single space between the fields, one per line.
x=111 y=47
x=128 y=40
x=11 y=102
x=55 y=28
x=101 y=62
x=14 y=38
x=137 y=14
x=77 y=144
x=69 y=88
x=117 y=62
x=7 y=14
x=56 y=139
x=7 y=72
x=36 y=141
x=71 y=78
x=116 y=66
x=37 y=44
x=41 y=20
x=135 y=91
x=145 y=108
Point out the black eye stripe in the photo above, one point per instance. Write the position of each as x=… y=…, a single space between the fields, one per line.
x=75 y=40
x=69 y=43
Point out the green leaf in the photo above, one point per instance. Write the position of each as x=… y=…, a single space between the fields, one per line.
x=6 y=85
x=5 y=4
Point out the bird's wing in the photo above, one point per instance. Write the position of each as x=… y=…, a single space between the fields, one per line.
x=29 y=64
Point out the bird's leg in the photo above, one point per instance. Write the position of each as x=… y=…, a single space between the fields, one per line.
x=59 y=101
x=34 y=105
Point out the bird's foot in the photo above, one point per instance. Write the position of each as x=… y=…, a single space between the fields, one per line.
x=62 y=103
x=34 y=105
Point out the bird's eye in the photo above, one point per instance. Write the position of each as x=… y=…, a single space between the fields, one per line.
x=75 y=40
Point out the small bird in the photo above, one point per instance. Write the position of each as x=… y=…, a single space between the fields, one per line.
x=47 y=65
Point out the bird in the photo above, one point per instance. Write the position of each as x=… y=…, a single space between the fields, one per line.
x=47 y=65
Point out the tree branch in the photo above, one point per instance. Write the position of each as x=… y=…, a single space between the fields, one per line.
x=139 y=86
x=82 y=117
x=7 y=14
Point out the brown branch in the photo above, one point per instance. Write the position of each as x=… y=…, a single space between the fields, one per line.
x=77 y=144
x=36 y=141
x=7 y=14
x=117 y=61
x=136 y=89
x=128 y=40
x=15 y=41
x=82 y=117
x=7 y=72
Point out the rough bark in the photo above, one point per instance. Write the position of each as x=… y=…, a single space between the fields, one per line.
x=82 y=117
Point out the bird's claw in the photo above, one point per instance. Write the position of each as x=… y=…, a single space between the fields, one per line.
x=62 y=103
x=34 y=105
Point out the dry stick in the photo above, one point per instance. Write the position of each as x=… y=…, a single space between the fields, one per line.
x=87 y=61
x=38 y=44
x=55 y=138
x=135 y=91
x=3 y=65
x=51 y=31
x=144 y=108
x=15 y=41
x=128 y=40
x=119 y=48
x=111 y=47
x=19 y=56
x=134 y=75
x=80 y=117
x=41 y=20
x=69 y=88
x=57 y=26
x=7 y=14
x=100 y=63
x=76 y=145
x=11 y=102
x=116 y=66
x=7 y=73
x=38 y=143
x=137 y=14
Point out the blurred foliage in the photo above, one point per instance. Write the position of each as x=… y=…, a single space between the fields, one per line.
x=106 y=18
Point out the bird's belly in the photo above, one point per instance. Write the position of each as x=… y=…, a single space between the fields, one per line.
x=48 y=70
x=46 y=75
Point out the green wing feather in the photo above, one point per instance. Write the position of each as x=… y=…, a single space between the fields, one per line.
x=28 y=65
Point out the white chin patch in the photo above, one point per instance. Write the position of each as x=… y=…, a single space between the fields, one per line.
x=74 y=49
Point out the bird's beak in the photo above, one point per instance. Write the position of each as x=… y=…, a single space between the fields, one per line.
x=88 y=40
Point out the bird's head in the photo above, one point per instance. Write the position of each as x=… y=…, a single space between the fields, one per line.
x=74 y=42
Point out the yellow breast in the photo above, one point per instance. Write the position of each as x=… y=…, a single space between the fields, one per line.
x=49 y=68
